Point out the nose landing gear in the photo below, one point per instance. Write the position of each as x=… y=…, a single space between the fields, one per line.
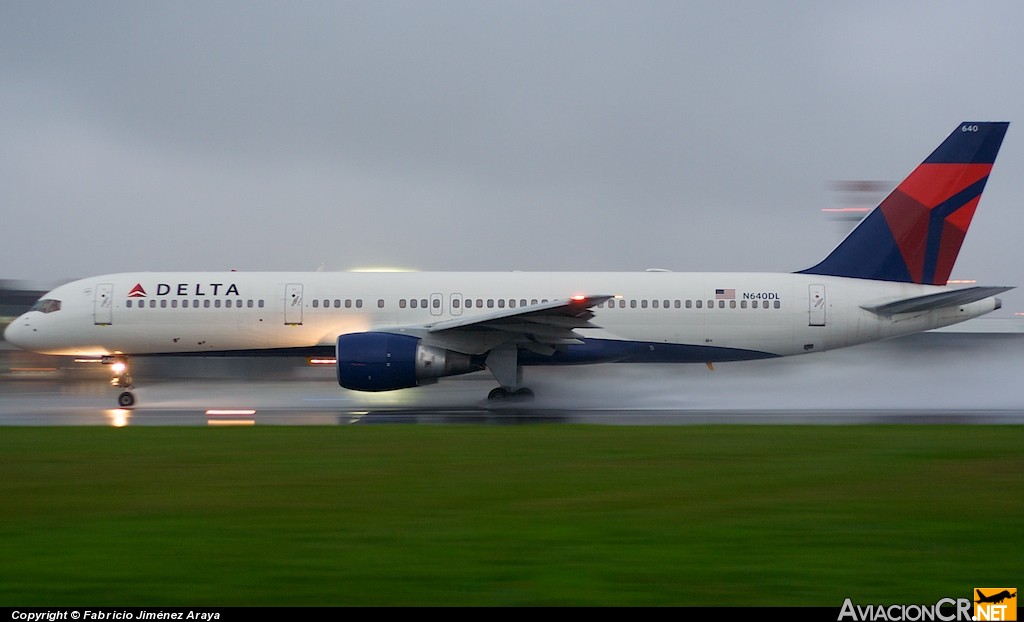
x=121 y=378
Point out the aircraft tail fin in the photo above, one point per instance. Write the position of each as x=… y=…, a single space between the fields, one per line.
x=915 y=234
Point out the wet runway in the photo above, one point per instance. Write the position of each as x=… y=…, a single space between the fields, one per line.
x=173 y=404
x=935 y=378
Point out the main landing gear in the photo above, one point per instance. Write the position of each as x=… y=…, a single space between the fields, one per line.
x=121 y=378
x=501 y=393
x=503 y=362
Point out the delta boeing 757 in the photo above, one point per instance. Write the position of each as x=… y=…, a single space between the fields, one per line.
x=387 y=331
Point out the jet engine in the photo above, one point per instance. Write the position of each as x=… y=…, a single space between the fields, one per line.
x=385 y=362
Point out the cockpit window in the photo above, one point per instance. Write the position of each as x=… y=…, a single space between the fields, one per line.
x=46 y=305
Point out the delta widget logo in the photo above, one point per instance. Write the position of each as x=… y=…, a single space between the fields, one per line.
x=137 y=291
x=995 y=603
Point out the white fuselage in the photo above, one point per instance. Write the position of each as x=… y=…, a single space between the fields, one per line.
x=731 y=316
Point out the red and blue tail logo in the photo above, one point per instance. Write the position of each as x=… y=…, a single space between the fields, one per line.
x=915 y=234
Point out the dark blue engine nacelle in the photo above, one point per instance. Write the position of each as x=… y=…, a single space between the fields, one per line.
x=385 y=362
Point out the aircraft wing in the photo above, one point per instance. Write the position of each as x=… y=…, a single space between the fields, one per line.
x=940 y=300
x=541 y=328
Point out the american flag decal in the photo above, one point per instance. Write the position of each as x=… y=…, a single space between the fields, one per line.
x=725 y=294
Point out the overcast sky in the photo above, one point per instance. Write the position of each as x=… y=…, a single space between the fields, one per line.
x=485 y=135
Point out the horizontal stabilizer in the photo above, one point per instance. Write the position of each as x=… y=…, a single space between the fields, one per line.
x=940 y=300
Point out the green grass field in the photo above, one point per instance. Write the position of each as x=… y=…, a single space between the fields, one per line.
x=466 y=515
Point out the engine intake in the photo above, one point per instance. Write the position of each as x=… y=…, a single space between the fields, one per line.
x=385 y=362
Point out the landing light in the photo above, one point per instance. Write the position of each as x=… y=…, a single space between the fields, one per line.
x=579 y=297
x=322 y=361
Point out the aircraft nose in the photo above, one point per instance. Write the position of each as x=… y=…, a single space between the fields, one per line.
x=16 y=332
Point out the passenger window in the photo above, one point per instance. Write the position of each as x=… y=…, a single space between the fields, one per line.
x=316 y=303
x=700 y=304
x=380 y=303
x=777 y=304
x=437 y=303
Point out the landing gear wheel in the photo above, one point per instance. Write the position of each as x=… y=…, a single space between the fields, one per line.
x=126 y=399
x=523 y=394
x=501 y=393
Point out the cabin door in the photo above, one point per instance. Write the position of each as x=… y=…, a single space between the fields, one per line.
x=293 y=304
x=816 y=305
x=103 y=303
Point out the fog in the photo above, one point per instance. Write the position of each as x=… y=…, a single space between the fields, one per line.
x=933 y=372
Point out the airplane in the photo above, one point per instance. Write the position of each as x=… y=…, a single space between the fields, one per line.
x=389 y=331
x=994 y=598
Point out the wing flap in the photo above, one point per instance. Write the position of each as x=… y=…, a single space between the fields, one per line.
x=542 y=328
